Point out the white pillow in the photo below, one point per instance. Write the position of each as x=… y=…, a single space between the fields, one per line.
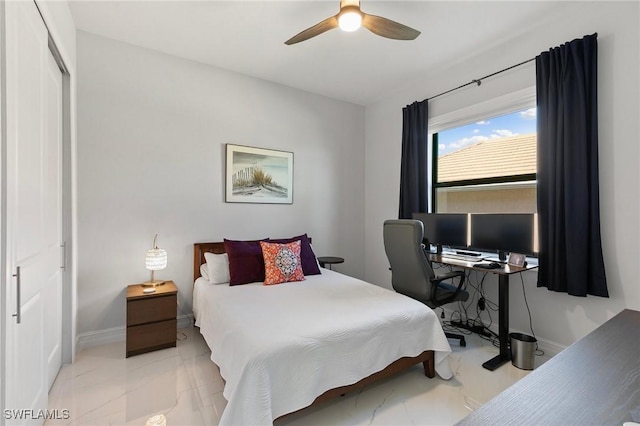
x=218 y=265
x=204 y=271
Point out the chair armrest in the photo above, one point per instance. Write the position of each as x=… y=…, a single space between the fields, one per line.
x=438 y=279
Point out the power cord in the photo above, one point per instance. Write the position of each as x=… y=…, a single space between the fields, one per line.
x=538 y=351
x=181 y=335
x=460 y=321
x=460 y=318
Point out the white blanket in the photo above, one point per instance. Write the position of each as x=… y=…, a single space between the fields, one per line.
x=279 y=347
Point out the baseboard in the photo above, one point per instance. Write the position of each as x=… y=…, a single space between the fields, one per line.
x=100 y=337
x=185 y=321
x=117 y=334
x=550 y=348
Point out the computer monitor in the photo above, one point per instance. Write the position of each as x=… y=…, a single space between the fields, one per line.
x=502 y=233
x=444 y=229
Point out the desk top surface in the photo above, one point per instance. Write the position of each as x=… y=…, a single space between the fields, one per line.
x=506 y=270
x=594 y=381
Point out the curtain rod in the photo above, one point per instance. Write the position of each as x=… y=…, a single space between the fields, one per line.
x=479 y=80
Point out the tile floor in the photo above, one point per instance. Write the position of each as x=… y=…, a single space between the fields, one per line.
x=104 y=388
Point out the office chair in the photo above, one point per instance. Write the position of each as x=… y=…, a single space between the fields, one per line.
x=411 y=271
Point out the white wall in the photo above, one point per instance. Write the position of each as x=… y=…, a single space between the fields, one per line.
x=151 y=137
x=557 y=317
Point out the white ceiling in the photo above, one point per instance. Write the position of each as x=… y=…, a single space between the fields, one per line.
x=248 y=37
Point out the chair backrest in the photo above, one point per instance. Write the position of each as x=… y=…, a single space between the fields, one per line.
x=411 y=272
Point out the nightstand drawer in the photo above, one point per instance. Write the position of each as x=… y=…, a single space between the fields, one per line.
x=150 y=337
x=143 y=311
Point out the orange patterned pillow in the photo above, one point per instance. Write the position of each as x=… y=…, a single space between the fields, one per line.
x=282 y=262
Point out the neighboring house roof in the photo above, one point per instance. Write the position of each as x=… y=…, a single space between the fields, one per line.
x=515 y=155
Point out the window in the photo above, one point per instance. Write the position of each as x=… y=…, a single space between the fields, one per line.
x=484 y=157
x=488 y=166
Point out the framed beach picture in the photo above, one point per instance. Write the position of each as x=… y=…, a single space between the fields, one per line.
x=257 y=175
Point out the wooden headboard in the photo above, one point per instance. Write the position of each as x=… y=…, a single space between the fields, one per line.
x=199 y=249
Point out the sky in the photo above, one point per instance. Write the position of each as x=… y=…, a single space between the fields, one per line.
x=517 y=123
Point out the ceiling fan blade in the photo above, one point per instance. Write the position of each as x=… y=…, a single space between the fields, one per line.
x=387 y=28
x=326 y=25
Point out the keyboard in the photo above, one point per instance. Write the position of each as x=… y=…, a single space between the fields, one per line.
x=465 y=257
x=469 y=253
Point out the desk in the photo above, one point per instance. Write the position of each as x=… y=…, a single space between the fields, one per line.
x=595 y=381
x=503 y=300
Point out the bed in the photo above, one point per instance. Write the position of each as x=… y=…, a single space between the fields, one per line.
x=285 y=347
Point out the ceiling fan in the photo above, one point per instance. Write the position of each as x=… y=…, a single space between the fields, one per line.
x=350 y=18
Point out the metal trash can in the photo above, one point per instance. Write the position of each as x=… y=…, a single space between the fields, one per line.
x=522 y=348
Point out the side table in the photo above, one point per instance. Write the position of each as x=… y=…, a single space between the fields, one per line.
x=151 y=318
x=329 y=260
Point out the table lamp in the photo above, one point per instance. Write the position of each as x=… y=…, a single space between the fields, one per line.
x=156 y=261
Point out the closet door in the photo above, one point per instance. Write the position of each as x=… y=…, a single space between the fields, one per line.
x=33 y=211
x=52 y=215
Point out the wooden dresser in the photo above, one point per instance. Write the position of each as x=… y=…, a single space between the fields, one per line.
x=151 y=318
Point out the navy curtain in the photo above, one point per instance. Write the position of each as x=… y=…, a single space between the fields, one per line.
x=414 y=190
x=568 y=195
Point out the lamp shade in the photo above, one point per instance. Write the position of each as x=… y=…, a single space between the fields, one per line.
x=156 y=259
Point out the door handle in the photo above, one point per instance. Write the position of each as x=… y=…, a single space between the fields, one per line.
x=17 y=314
x=64 y=256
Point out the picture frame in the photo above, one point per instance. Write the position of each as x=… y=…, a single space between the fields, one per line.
x=517 y=259
x=258 y=175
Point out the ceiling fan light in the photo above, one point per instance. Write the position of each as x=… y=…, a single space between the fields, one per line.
x=350 y=21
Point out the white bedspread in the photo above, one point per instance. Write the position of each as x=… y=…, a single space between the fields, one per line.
x=279 y=347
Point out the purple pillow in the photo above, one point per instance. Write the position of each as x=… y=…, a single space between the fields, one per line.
x=308 y=258
x=246 y=264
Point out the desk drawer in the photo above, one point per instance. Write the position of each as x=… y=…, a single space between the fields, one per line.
x=143 y=311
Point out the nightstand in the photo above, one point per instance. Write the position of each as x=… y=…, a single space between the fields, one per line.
x=329 y=260
x=151 y=318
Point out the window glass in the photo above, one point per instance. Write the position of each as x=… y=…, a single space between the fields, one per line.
x=488 y=166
